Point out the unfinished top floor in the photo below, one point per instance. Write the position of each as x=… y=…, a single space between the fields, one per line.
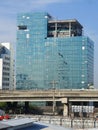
x=64 y=28
x=54 y=27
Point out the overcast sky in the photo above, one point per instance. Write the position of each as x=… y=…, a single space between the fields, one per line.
x=85 y=11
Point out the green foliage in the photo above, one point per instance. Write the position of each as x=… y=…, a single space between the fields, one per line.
x=3 y=105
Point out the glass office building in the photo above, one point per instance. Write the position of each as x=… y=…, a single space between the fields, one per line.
x=52 y=53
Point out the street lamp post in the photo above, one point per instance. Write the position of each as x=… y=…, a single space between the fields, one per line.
x=53 y=87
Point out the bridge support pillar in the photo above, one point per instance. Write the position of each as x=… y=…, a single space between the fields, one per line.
x=65 y=110
x=11 y=106
x=26 y=107
x=14 y=105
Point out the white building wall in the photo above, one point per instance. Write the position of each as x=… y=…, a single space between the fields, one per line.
x=6 y=72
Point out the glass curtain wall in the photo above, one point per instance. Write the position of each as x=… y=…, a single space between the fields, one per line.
x=42 y=61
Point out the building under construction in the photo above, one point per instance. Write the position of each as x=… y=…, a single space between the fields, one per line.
x=50 y=50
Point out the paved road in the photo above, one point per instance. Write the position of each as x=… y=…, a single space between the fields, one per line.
x=43 y=126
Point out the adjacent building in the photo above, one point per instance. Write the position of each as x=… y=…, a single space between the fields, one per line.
x=52 y=53
x=6 y=67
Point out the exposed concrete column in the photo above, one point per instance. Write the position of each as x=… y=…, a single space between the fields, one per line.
x=65 y=110
x=55 y=29
x=70 y=29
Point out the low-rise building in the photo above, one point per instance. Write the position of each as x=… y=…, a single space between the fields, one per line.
x=6 y=67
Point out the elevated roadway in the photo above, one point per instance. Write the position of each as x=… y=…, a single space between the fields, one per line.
x=66 y=97
x=48 y=95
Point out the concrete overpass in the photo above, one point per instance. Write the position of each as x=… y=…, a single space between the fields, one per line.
x=47 y=95
x=66 y=96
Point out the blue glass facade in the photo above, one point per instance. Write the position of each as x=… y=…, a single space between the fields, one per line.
x=43 y=57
